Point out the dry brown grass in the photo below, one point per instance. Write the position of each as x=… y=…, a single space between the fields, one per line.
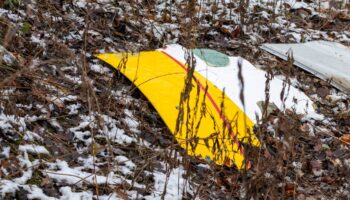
x=281 y=169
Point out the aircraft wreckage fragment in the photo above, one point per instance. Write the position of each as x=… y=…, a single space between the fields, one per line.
x=212 y=122
x=326 y=60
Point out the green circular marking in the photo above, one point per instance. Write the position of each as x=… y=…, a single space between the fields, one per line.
x=211 y=57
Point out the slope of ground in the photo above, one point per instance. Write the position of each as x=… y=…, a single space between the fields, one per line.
x=73 y=128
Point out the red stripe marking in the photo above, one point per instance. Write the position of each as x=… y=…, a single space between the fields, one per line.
x=217 y=108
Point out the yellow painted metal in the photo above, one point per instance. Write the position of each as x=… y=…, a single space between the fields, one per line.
x=212 y=124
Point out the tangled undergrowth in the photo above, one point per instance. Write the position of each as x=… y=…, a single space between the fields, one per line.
x=71 y=127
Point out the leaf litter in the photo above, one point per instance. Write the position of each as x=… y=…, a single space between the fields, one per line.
x=73 y=128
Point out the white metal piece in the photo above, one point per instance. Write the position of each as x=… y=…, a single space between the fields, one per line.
x=254 y=79
x=326 y=60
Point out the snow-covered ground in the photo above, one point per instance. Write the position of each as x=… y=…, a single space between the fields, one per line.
x=73 y=128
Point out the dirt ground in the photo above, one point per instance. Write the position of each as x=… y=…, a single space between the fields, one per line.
x=70 y=127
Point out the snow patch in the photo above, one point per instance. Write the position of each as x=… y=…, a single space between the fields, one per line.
x=176 y=184
x=5 y=152
x=34 y=149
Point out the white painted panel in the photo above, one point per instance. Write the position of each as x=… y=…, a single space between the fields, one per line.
x=326 y=60
x=226 y=78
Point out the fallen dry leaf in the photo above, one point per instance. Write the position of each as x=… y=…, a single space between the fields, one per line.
x=290 y=189
x=345 y=138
